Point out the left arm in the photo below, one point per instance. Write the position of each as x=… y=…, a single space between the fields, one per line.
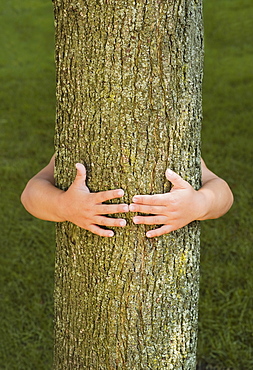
x=183 y=204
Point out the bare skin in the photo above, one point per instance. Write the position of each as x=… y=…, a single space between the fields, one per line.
x=43 y=200
x=183 y=204
x=172 y=210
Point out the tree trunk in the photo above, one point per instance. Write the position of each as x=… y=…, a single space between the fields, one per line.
x=129 y=79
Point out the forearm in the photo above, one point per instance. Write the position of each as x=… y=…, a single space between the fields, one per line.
x=42 y=199
x=217 y=198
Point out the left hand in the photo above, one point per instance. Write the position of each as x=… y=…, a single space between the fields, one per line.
x=173 y=210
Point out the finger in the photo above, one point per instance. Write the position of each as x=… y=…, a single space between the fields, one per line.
x=156 y=199
x=110 y=221
x=80 y=175
x=147 y=209
x=175 y=179
x=106 y=209
x=99 y=231
x=103 y=196
x=150 y=220
x=165 y=229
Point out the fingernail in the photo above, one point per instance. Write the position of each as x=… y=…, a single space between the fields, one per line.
x=123 y=223
x=111 y=233
x=120 y=193
x=148 y=234
x=135 y=220
x=169 y=171
x=78 y=166
x=131 y=207
x=135 y=198
x=125 y=209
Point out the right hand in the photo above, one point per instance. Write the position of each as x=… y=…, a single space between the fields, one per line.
x=87 y=210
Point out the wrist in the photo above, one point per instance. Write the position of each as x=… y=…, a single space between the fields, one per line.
x=205 y=201
x=60 y=206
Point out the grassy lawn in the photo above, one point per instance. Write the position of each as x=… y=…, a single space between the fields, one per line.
x=226 y=300
x=26 y=143
x=27 y=111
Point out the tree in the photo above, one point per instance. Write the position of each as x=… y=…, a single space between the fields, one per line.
x=129 y=79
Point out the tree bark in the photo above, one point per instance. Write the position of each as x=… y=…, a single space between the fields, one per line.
x=129 y=77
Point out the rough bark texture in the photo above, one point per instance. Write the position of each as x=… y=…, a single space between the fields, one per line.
x=129 y=79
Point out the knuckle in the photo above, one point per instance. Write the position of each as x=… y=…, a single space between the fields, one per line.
x=150 y=220
x=173 y=199
x=153 y=209
x=136 y=208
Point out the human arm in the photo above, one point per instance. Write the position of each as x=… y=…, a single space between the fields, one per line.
x=183 y=204
x=44 y=200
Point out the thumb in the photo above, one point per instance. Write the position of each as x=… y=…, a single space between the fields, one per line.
x=80 y=175
x=175 y=179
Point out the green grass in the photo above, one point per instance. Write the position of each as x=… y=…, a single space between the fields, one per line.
x=226 y=301
x=26 y=143
x=27 y=112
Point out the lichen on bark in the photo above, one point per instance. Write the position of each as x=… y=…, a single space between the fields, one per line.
x=129 y=79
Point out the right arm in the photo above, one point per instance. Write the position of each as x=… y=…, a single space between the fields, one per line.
x=44 y=200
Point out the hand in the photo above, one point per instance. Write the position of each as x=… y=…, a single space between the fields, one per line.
x=86 y=210
x=173 y=210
